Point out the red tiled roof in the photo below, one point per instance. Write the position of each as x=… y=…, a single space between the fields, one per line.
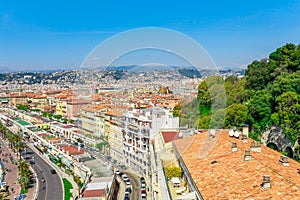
x=231 y=177
x=72 y=150
x=43 y=134
x=170 y=135
x=94 y=193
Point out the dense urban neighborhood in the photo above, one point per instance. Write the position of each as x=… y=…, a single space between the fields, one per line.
x=149 y=100
x=110 y=138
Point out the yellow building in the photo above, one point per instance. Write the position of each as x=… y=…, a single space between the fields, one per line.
x=44 y=126
x=115 y=134
x=59 y=110
x=17 y=100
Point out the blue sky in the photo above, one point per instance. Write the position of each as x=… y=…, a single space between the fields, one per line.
x=60 y=34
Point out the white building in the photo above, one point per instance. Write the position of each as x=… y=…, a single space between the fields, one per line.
x=140 y=128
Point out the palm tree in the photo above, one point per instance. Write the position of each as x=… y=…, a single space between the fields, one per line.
x=10 y=137
x=23 y=165
x=4 y=196
x=2 y=129
x=24 y=179
x=24 y=182
x=19 y=146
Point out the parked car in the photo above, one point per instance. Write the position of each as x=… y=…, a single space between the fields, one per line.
x=124 y=177
x=123 y=167
x=128 y=182
x=144 y=196
x=53 y=171
x=128 y=189
x=126 y=196
x=143 y=190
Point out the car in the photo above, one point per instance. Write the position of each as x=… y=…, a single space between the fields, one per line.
x=43 y=180
x=117 y=172
x=142 y=179
x=126 y=196
x=123 y=167
x=143 y=185
x=128 y=182
x=143 y=190
x=75 y=143
x=53 y=171
x=128 y=189
x=143 y=195
x=121 y=174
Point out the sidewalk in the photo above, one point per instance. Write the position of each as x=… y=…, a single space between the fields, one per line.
x=11 y=173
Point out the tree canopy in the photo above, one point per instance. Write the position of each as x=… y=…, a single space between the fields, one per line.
x=268 y=95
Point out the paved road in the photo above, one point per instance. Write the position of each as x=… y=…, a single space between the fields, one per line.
x=52 y=187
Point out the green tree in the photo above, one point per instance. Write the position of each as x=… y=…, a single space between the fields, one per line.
x=236 y=115
x=260 y=108
x=289 y=113
x=173 y=172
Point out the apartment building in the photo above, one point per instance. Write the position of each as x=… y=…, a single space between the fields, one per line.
x=140 y=127
x=115 y=137
x=88 y=119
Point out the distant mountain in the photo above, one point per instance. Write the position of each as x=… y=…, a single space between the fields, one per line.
x=190 y=73
x=5 y=70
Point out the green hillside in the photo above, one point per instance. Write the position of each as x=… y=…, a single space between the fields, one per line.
x=269 y=94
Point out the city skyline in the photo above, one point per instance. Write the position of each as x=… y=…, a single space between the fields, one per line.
x=60 y=35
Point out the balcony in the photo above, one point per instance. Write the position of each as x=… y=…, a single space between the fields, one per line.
x=133 y=128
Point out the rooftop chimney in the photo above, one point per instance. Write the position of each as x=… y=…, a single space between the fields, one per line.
x=234 y=147
x=245 y=130
x=266 y=184
x=255 y=147
x=284 y=161
x=245 y=139
x=247 y=155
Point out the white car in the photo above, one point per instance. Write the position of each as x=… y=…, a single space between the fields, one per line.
x=143 y=195
x=127 y=182
x=124 y=177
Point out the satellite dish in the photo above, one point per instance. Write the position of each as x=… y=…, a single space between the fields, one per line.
x=231 y=133
x=180 y=134
x=212 y=133
x=236 y=134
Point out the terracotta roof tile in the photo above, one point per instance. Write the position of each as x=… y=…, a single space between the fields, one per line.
x=170 y=135
x=231 y=177
x=93 y=193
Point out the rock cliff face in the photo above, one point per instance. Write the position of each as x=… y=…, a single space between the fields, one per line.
x=275 y=137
